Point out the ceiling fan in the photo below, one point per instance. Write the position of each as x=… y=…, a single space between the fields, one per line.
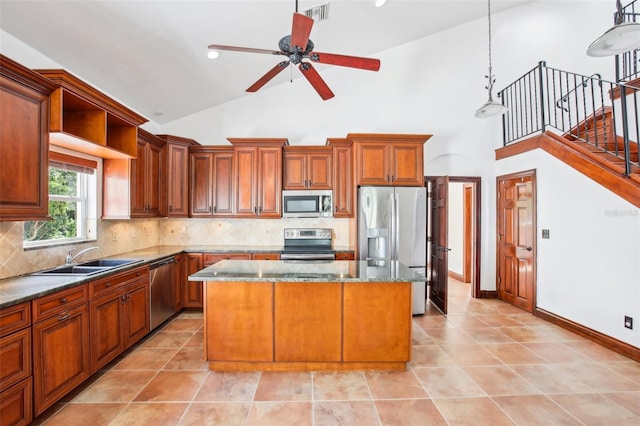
x=297 y=47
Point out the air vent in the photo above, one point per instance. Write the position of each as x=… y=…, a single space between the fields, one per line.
x=318 y=13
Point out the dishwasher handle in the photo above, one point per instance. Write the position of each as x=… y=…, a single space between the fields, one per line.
x=166 y=261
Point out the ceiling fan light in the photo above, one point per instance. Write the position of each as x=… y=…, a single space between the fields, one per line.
x=212 y=54
x=618 y=39
x=379 y=3
x=490 y=109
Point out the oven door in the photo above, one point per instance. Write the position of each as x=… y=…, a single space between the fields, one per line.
x=302 y=256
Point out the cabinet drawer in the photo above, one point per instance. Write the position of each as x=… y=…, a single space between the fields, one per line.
x=14 y=318
x=210 y=259
x=53 y=304
x=99 y=287
x=344 y=255
x=265 y=256
x=15 y=358
x=15 y=404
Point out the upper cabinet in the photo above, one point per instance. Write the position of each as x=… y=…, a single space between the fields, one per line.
x=177 y=174
x=307 y=167
x=211 y=181
x=24 y=142
x=84 y=119
x=343 y=187
x=389 y=159
x=258 y=173
x=135 y=187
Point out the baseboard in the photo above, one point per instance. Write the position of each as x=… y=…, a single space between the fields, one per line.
x=456 y=276
x=593 y=335
x=488 y=294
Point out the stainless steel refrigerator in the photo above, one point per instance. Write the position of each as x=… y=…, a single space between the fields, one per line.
x=392 y=224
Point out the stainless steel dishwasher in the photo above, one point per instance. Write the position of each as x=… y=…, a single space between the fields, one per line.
x=161 y=295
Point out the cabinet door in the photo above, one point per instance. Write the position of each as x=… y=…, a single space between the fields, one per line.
x=60 y=355
x=372 y=163
x=24 y=150
x=136 y=312
x=223 y=184
x=154 y=187
x=246 y=171
x=107 y=325
x=307 y=321
x=269 y=192
x=176 y=287
x=177 y=180
x=319 y=170
x=406 y=164
x=265 y=256
x=192 y=295
x=15 y=404
x=15 y=358
x=239 y=321
x=139 y=181
x=201 y=182
x=294 y=174
x=343 y=180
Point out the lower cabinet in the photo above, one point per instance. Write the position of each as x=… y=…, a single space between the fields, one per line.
x=60 y=355
x=266 y=256
x=15 y=404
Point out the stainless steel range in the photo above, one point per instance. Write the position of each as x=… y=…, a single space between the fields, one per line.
x=308 y=244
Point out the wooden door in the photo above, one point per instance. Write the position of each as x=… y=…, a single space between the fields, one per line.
x=372 y=166
x=138 y=183
x=136 y=312
x=177 y=180
x=343 y=180
x=406 y=164
x=154 y=187
x=516 y=240
x=223 y=184
x=246 y=172
x=319 y=170
x=201 y=182
x=269 y=191
x=439 y=250
x=192 y=294
x=294 y=170
x=106 y=329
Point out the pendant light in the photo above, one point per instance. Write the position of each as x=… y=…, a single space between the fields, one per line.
x=491 y=107
x=622 y=37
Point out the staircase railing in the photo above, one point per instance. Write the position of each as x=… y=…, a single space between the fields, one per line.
x=603 y=114
x=628 y=63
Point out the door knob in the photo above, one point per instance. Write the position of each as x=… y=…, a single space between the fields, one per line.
x=529 y=248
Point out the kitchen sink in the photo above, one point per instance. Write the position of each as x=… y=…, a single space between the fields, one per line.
x=88 y=268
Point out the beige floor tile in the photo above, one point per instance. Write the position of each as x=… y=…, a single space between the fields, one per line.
x=473 y=354
x=273 y=413
x=409 y=412
x=196 y=341
x=448 y=382
x=150 y=414
x=95 y=414
x=430 y=356
x=173 y=386
x=555 y=352
x=466 y=321
x=340 y=385
x=419 y=336
x=229 y=386
x=449 y=336
x=168 y=339
x=394 y=384
x=527 y=334
x=629 y=400
x=596 y=409
x=336 y=413
x=187 y=324
x=284 y=387
x=501 y=320
x=116 y=386
x=472 y=412
x=188 y=359
x=216 y=413
x=500 y=380
x=535 y=410
x=595 y=352
x=513 y=353
x=487 y=335
x=146 y=359
x=629 y=369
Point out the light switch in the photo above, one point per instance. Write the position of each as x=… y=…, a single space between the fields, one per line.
x=545 y=234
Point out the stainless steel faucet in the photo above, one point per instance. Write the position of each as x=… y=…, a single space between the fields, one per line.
x=69 y=259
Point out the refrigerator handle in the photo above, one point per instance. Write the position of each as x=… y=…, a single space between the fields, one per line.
x=392 y=230
x=396 y=225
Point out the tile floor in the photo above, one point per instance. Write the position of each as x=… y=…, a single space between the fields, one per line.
x=486 y=363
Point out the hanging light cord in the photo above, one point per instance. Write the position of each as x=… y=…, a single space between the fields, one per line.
x=490 y=77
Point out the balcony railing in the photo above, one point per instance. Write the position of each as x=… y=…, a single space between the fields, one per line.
x=602 y=114
x=628 y=64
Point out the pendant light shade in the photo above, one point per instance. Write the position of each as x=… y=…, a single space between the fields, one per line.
x=622 y=37
x=491 y=107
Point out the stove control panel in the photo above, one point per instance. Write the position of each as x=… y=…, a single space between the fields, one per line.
x=307 y=233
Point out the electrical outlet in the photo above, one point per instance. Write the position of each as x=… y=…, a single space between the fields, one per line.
x=628 y=322
x=546 y=234
x=114 y=236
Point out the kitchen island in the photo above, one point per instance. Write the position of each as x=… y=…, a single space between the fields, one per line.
x=301 y=316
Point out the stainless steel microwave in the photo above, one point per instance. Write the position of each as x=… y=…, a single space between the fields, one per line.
x=307 y=203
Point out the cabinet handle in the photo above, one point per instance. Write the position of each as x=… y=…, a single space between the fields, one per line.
x=138 y=274
x=215 y=209
x=336 y=208
x=63 y=316
x=170 y=208
x=108 y=284
x=63 y=300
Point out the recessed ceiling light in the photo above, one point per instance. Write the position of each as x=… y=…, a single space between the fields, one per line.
x=212 y=54
x=379 y=3
x=158 y=113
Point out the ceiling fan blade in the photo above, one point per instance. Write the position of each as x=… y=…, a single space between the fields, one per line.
x=244 y=49
x=316 y=81
x=268 y=76
x=300 y=31
x=346 y=61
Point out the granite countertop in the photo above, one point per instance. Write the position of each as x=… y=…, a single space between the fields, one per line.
x=318 y=271
x=23 y=288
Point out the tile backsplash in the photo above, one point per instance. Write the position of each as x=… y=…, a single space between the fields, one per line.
x=121 y=236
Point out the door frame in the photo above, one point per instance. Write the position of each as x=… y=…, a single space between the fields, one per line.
x=534 y=225
x=476 y=182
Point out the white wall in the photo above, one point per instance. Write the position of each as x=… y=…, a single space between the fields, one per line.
x=455 y=223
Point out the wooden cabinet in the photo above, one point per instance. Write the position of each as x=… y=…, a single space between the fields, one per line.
x=389 y=159
x=265 y=256
x=177 y=174
x=307 y=167
x=24 y=142
x=343 y=186
x=241 y=316
x=61 y=346
x=119 y=314
x=148 y=187
x=308 y=321
x=192 y=290
x=345 y=255
x=211 y=258
x=366 y=316
x=15 y=365
x=176 y=283
x=212 y=182
x=258 y=173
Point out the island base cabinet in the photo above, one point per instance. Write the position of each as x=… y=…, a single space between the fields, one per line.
x=60 y=355
x=377 y=328
x=307 y=321
x=15 y=404
x=239 y=324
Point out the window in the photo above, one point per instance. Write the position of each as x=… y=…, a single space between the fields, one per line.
x=72 y=203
